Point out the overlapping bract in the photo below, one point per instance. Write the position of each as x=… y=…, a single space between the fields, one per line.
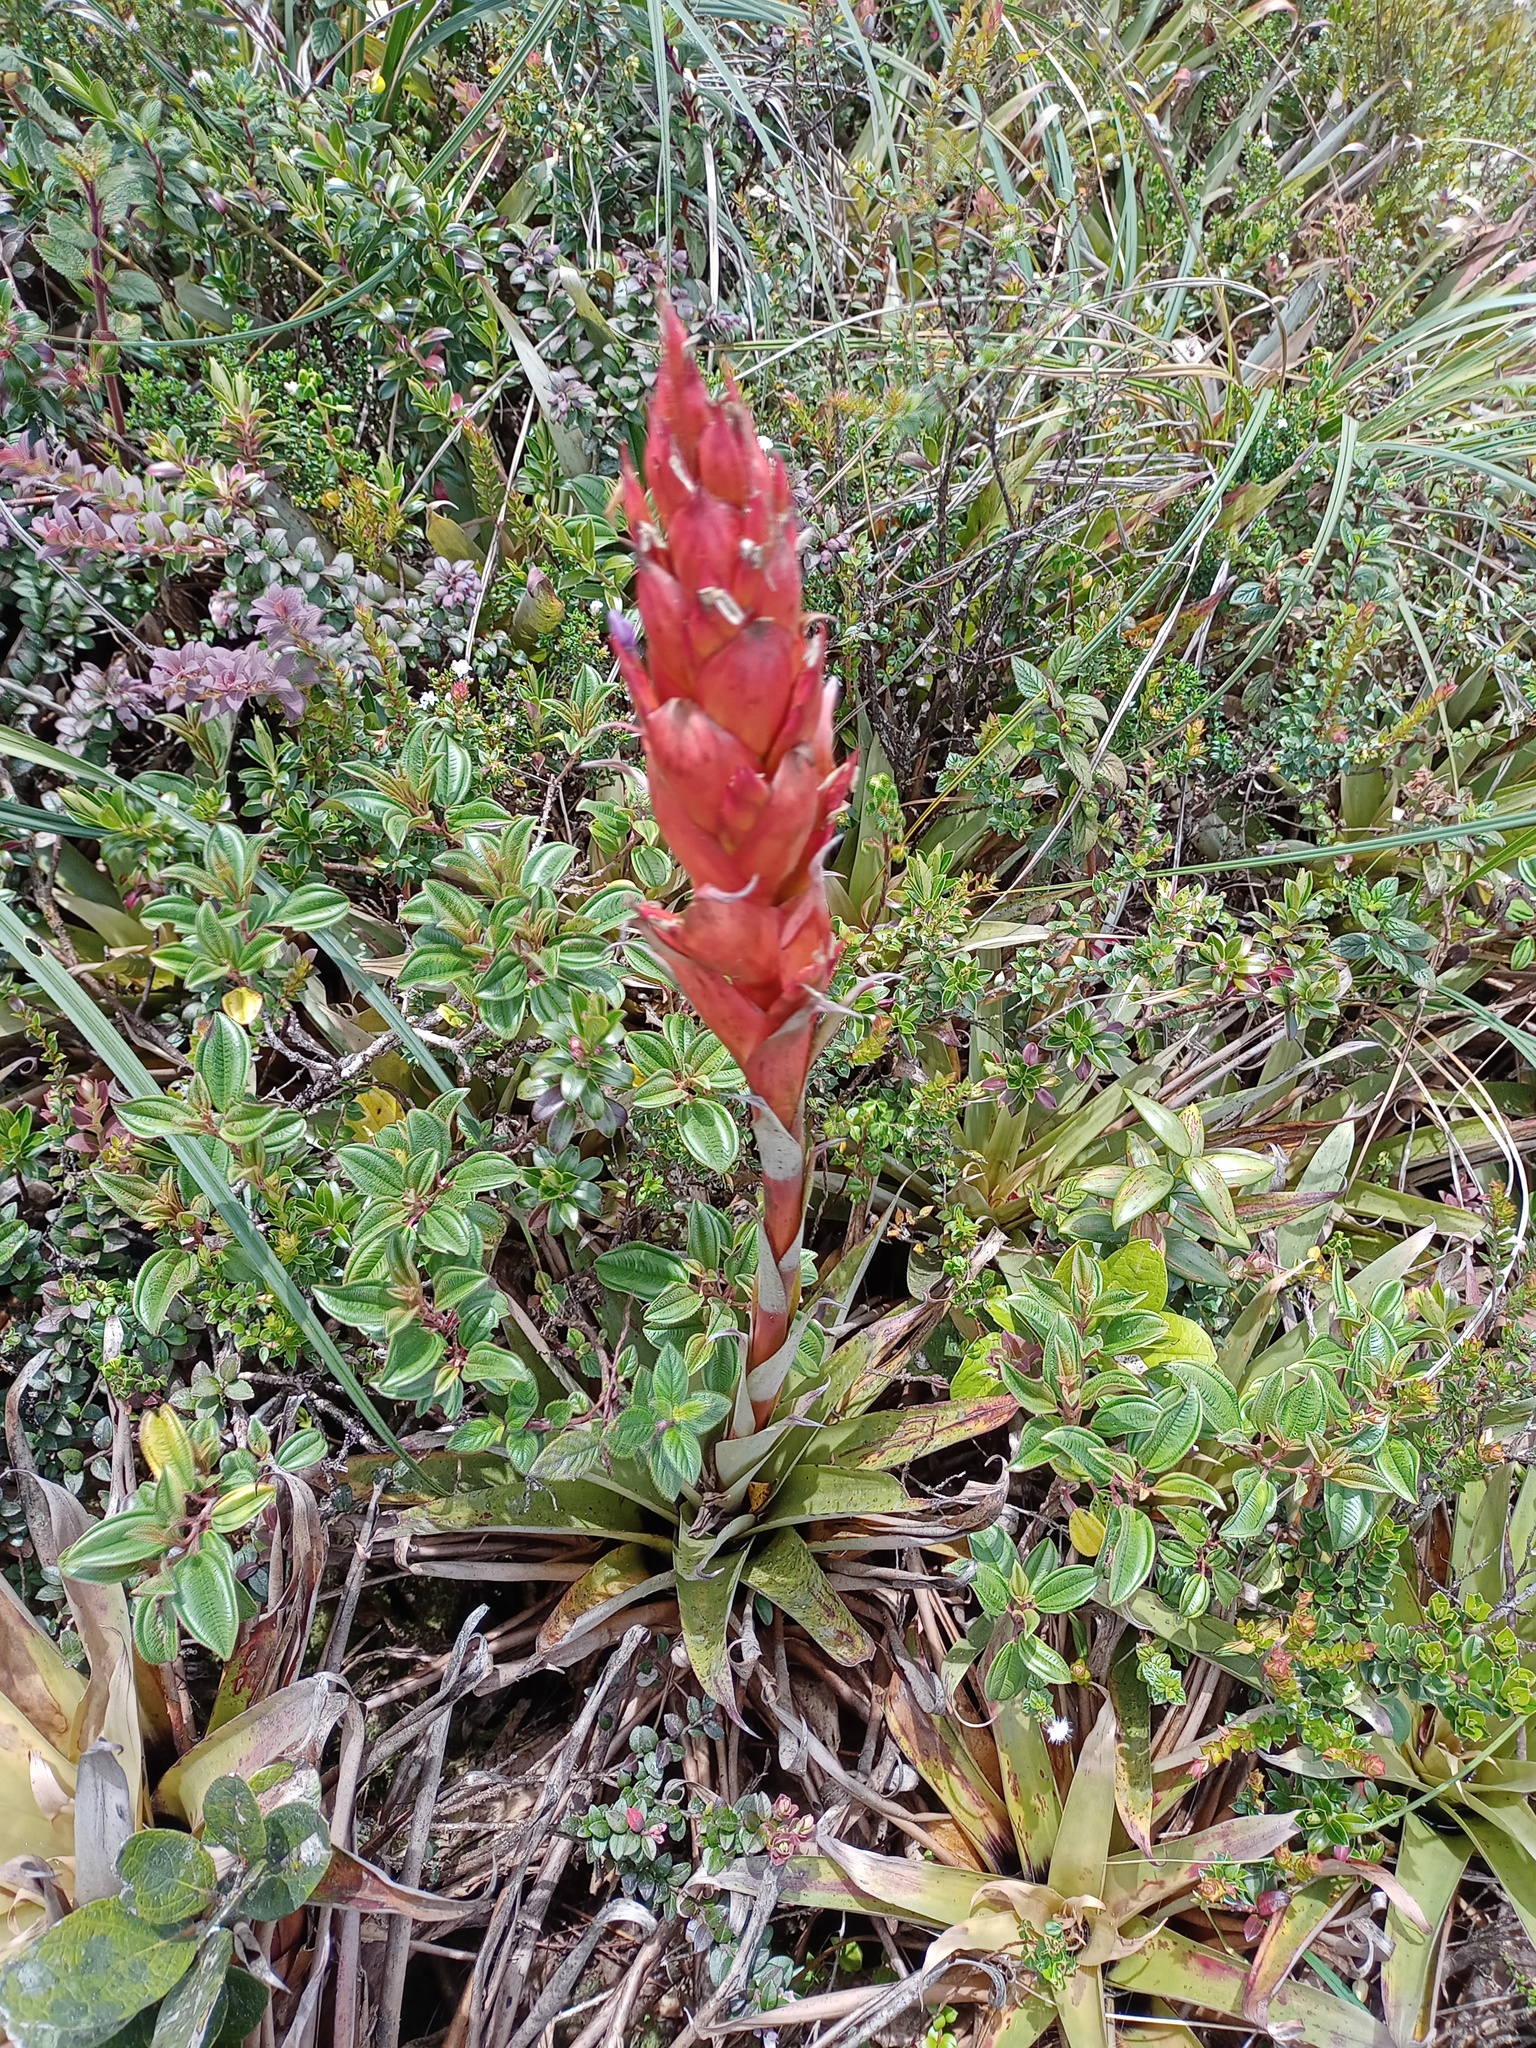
x=736 y=715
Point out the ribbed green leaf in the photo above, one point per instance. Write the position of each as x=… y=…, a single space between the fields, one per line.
x=203 y=1590
x=158 y=1282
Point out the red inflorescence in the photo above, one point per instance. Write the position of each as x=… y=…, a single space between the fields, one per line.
x=736 y=716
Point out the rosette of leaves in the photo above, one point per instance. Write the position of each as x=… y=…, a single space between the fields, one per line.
x=508 y=938
x=699 y=1502
x=1014 y=1589
x=415 y=1277
x=175 y=1546
x=1065 y=1922
x=1187 y=1188
x=684 y=1068
x=1383 y=938
x=426 y=788
x=577 y=1083
x=224 y=936
x=1184 y=1473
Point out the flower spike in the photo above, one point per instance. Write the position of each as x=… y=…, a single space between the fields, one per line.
x=736 y=716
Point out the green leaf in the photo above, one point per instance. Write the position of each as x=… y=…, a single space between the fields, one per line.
x=363 y=1303
x=1218 y=1403
x=223 y=1059
x=298 y=1848
x=1131 y=1544
x=1181 y=1339
x=188 y=2016
x=676 y=1459
x=1133 y=1747
x=246 y=2003
x=1088 y=1815
x=1142 y=1189
x=85 y=1978
x=1350 y=1513
x=1007 y=1674
x=301 y=1452
x=704 y=1605
x=203 y=1590
x=814 y=1493
x=1257 y=1498
x=372 y=1169
x=1174 y=1436
x=1061 y=1592
x=114 y=1549
x=1042 y=1662
x=1325 y=1171
x=710 y=1134
x=158 y=1116
x=159 y=1282
x=155 y=1635
x=1140 y=1268
x=1429 y=1867
x=311 y=908
x=483 y=1173
x=642 y=1270
x=168 y=1877
x=232 y=1820
x=1215 y=1197
x=1163 y=1123
x=1398 y=1463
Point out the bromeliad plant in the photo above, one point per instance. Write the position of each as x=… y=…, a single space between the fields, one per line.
x=1056 y=1903
x=711 y=1448
x=695 y=1514
x=108 y=1918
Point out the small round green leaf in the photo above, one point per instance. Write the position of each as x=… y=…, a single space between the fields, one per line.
x=232 y=1819
x=168 y=1877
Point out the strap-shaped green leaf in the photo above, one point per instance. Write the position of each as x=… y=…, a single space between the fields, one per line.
x=704 y=1605
x=785 y=1572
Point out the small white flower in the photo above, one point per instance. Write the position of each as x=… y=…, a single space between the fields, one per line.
x=1058 y=1729
x=461 y=668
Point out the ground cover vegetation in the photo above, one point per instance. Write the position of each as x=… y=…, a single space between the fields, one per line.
x=768 y=913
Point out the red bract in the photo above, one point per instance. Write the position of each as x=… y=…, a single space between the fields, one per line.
x=736 y=716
